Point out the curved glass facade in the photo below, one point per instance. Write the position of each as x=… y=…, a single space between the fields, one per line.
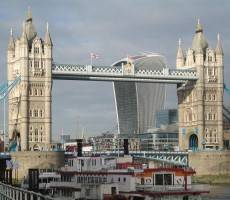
x=136 y=103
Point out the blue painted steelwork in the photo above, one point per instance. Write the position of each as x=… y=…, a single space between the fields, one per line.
x=7 y=87
x=4 y=91
x=226 y=89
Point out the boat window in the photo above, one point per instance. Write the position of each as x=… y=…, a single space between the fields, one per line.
x=163 y=179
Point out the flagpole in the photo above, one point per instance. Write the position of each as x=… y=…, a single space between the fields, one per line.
x=91 y=60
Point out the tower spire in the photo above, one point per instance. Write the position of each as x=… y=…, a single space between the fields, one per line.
x=48 y=40
x=199 y=27
x=29 y=15
x=180 y=55
x=11 y=44
x=219 y=49
x=24 y=37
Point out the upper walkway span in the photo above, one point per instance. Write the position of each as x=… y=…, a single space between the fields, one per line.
x=121 y=73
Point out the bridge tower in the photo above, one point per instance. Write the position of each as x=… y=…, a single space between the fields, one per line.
x=200 y=102
x=30 y=102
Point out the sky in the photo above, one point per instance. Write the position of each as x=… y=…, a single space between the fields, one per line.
x=113 y=29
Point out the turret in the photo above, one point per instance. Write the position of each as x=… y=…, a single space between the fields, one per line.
x=219 y=51
x=11 y=46
x=48 y=40
x=48 y=43
x=23 y=38
x=29 y=28
x=180 y=56
x=189 y=58
x=199 y=41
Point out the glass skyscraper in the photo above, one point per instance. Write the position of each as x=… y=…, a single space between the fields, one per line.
x=136 y=103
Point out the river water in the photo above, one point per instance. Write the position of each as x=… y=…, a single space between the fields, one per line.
x=218 y=192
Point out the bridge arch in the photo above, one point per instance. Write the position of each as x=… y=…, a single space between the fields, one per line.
x=193 y=142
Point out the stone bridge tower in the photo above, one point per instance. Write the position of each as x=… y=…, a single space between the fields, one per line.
x=200 y=103
x=30 y=102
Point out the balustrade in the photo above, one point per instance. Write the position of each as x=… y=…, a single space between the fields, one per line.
x=8 y=192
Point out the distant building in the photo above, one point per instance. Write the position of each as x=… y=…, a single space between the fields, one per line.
x=136 y=103
x=166 y=117
x=160 y=139
x=65 y=138
x=110 y=142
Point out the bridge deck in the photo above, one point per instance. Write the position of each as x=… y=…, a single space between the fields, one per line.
x=120 y=73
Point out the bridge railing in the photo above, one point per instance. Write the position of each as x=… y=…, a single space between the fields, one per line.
x=120 y=71
x=9 y=192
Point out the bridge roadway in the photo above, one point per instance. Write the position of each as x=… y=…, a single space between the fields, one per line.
x=8 y=192
x=179 y=158
x=121 y=73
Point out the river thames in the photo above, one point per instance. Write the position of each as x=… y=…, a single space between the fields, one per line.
x=218 y=192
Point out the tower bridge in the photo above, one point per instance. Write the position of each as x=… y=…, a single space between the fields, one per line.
x=200 y=100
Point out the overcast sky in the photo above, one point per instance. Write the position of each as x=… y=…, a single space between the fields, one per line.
x=112 y=29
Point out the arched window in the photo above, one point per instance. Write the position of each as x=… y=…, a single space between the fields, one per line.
x=36 y=50
x=35 y=113
x=41 y=93
x=209 y=58
x=213 y=97
x=36 y=64
x=41 y=113
x=214 y=116
x=35 y=92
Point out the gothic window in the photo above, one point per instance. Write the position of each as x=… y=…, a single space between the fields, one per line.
x=209 y=58
x=210 y=97
x=35 y=92
x=36 y=50
x=213 y=97
x=31 y=128
x=209 y=116
x=206 y=130
x=35 y=113
x=41 y=93
x=214 y=116
x=41 y=113
x=36 y=64
x=210 y=72
x=30 y=63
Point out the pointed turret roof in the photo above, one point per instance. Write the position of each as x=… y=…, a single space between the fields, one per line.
x=219 y=49
x=180 y=53
x=23 y=38
x=11 y=44
x=30 y=29
x=48 y=40
x=199 y=41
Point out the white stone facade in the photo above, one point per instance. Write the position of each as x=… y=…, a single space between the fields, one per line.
x=200 y=103
x=30 y=101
